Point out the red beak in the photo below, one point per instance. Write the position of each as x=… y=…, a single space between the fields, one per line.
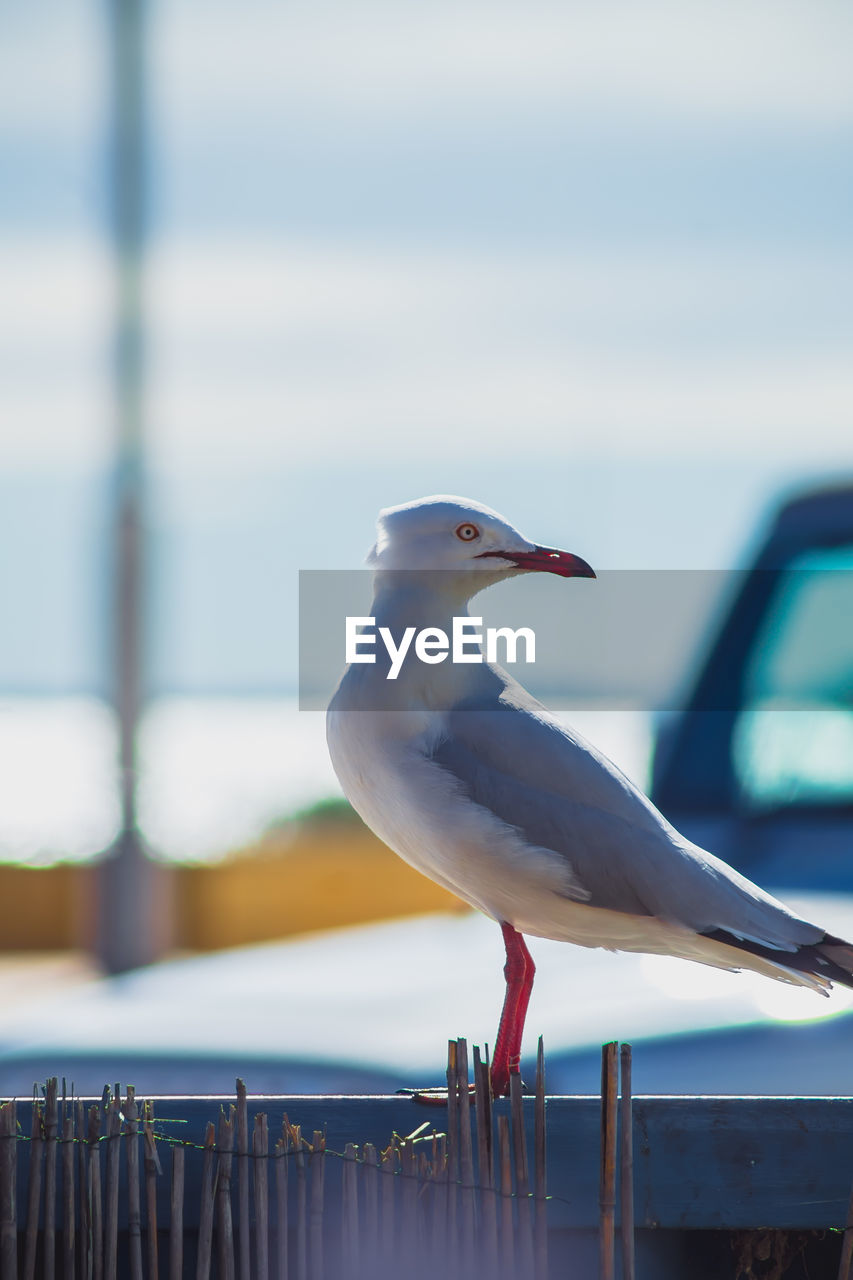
x=546 y=560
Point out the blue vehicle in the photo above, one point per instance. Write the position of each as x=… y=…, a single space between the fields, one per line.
x=758 y=768
x=759 y=765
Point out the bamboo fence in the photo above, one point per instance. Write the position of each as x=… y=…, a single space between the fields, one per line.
x=436 y=1201
x=102 y=1190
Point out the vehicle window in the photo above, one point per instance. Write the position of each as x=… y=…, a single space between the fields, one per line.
x=793 y=740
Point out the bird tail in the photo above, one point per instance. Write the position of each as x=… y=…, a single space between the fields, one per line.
x=828 y=960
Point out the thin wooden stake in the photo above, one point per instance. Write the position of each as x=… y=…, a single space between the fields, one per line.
x=540 y=1177
x=607 y=1183
x=8 y=1191
x=205 y=1220
x=409 y=1195
x=626 y=1166
x=318 y=1170
x=482 y=1112
x=505 y=1164
x=260 y=1151
x=51 y=1127
x=224 y=1220
x=452 y=1146
x=111 y=1189
x=152 y=1169
x=301 y=1205
x=422 y=1241
x=134 y=1211
x=244 y=1239
x=485 y=1164
x=84 y=1235
x=34 y=1189
x=350 y=1244
x=389 y=1202
x=466 y=1157
x=93 y=1187
x=176 y=1215
x=370 y=1213
x=522 y=1176
x=281 y=1149
x=439 y=1238
x=69 y=1213
x=845 y=1266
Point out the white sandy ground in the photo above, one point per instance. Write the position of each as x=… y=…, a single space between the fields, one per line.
x=383 y=996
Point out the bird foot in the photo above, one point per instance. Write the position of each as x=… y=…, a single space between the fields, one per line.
x=500 y=1086
x=436 y=1096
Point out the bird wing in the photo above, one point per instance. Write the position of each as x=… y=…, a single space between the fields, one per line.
x=510 y=756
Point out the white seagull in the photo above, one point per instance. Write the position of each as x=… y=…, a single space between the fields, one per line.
x=472 y=781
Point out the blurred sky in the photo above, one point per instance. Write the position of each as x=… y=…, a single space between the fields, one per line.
x=588 y=263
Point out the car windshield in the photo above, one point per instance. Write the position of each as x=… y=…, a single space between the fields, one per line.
x=793 y=741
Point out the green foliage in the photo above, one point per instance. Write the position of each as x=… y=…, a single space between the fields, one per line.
x=331 y=809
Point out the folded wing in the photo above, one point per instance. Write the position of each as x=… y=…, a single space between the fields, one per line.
x=510 y=756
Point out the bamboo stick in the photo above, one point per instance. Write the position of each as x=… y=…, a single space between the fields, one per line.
x=260 y=1150
x=482 y=1114
x=111 y=1189
x=84 y=1241
x=51 y=1126
x=626 y=1167
x=281 y=1151
x=152 y=1169
x=422 y=1209
x=485 y=1165
x=8 y=1191
x=34 y=1188
x=440 y=1193
x=607 y=1182
x=540 y=1176
x=408 y=1198
x=505 y=1165
x=176 y=1215
x=244 y=1239
x=69 y=1214
x=452 y=1147
x=318 y=1169
x=224 y=1220
x=134 y=1212
x=103 y=1142
x=522 y=1176
x=205 y=1221
x=845 y=1266
x=95 y=1192
x=301 y=1205
x=389 y=1198
x=350 y=1244
x=466 y=1157
x=370 y=1212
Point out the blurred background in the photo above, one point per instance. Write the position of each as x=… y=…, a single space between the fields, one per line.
x=268 y=267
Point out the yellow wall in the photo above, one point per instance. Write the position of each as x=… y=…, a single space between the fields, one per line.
x=45 y=909
x=320 y=879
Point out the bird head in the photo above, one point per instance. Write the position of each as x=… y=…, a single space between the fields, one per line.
x=465 y=539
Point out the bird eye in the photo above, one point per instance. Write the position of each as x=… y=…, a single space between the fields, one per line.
x=467 y=532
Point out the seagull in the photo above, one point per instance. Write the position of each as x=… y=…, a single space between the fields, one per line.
x=473 y=782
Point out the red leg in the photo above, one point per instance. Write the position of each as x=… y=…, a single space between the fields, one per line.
x=518 y=971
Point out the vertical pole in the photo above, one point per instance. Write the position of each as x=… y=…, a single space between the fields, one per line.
x=130 y=932
x=607 y=1185
x=8 y=1191
x=626 y=1166
x=128 y=159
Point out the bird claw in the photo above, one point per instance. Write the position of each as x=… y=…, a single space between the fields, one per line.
x=501 y=1091
x=433 y=1096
